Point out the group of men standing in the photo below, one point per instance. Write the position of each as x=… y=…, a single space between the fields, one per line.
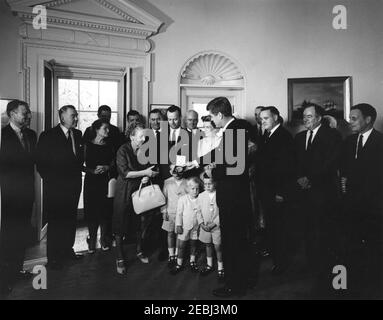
x=332 y=182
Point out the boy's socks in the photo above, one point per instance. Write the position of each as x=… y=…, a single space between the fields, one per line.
x=180 y=261
x=176 y=251
x=210 y=261
x=220 y=265
x=192 y=258
x=171 y=252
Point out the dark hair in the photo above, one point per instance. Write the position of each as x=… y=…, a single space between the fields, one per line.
x=104 y=108
x=208 y=119
x=318 y=109
x=174 y=108
x=259 y=107
x=133 y=127
x=158 y=111
x=273 y=110
x=206 y=176
x=367 y=110
x=96 y=125
x=14 y=105
x=220 y=105
x=65 y=108
x=196 y=180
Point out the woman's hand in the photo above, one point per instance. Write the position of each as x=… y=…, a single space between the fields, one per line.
x=150 y=173
x=145 y=180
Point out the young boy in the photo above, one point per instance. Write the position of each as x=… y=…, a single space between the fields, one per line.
x=174 y=188
x=210 y=233
x=187 y=224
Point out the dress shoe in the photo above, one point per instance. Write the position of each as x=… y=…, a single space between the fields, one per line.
x=206 y=271
x=176 y=270
x=265 y=253
x=25 y=275
x=172 y=261
x=75 y=257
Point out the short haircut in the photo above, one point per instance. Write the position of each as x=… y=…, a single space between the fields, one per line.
x=133 y=127
x=132 y=113
x=273 y=110
x=367 y=110
x=155 y=111
x=208 y=119
x=65 y=108
x=174 y=108
x=104 y=108
x=14 y=105
x=259 y=107
x=195 y=180
x=318 y=109
x=220 y=105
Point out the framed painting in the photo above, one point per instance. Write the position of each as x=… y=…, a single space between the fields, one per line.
x=332 y=93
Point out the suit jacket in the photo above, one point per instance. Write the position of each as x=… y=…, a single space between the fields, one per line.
x=56 y=161
x=321 y=162
x=232 y=190
x=187 y=212
x=274 y=166
x=364 y=175
x=206 y=215
x=17 y=167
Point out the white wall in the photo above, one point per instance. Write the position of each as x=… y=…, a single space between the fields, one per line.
x=274 y=40
x=10 y=78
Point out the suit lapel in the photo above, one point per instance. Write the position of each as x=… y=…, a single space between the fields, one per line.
x=15 y=139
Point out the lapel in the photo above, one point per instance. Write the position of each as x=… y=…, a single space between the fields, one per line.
x=317 y=138
x=370 y=142
x=15 y=139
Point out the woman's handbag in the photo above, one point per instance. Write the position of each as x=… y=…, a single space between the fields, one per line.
x=147 y=198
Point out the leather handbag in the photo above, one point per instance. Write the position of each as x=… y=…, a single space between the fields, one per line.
x=147 y=198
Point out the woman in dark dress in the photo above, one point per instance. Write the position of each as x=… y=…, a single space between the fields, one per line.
x=99 y=160
x=130 y=175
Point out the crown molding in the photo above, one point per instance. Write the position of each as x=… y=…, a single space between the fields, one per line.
x=133 y=22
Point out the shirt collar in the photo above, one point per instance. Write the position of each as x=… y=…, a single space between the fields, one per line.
x=274 y=129
x=15 y=128
x=64 y=129
x=222 y=130
x=366 y=135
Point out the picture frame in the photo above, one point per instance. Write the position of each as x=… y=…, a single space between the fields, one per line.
x=332 y=93
x=162 y=107
x=3 y=111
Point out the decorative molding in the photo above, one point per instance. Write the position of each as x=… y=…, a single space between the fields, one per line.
x=211 y=69
x=133 y=22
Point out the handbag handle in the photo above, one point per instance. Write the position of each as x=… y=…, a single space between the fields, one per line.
x=139 y=190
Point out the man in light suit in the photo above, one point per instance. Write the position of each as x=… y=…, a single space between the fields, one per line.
x=362 y=181
x=17 y=178
x=317 y=151
x=59 y=162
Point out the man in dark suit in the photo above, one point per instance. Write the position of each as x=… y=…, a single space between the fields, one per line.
x=275 y=162
x=17 y=178
x=59 y=162
x=233 y=198
x=195 y=135
x=362 y=181
x=317 y=151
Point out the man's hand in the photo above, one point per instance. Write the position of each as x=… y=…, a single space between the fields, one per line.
x=205 y=227
x=180 y=230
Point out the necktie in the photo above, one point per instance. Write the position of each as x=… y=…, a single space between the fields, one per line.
x=359 y=147
x=70 y=142
x=173 y=137
x=23 y=140
x=267 y=136
x=310 y=142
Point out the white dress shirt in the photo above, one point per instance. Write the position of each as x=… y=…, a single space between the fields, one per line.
x=274 y=129
x=177 y=133
x=67 y=132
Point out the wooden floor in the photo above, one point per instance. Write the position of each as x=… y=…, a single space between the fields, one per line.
x=95 y=278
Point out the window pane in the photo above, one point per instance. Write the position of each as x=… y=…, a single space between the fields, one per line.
x=85 y=120
x=114 y=119
x=108 y=94
x=88 y=95
x=68 y=92
x=200 y=108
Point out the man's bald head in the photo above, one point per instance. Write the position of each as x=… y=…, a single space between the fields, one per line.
x=191 y=119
